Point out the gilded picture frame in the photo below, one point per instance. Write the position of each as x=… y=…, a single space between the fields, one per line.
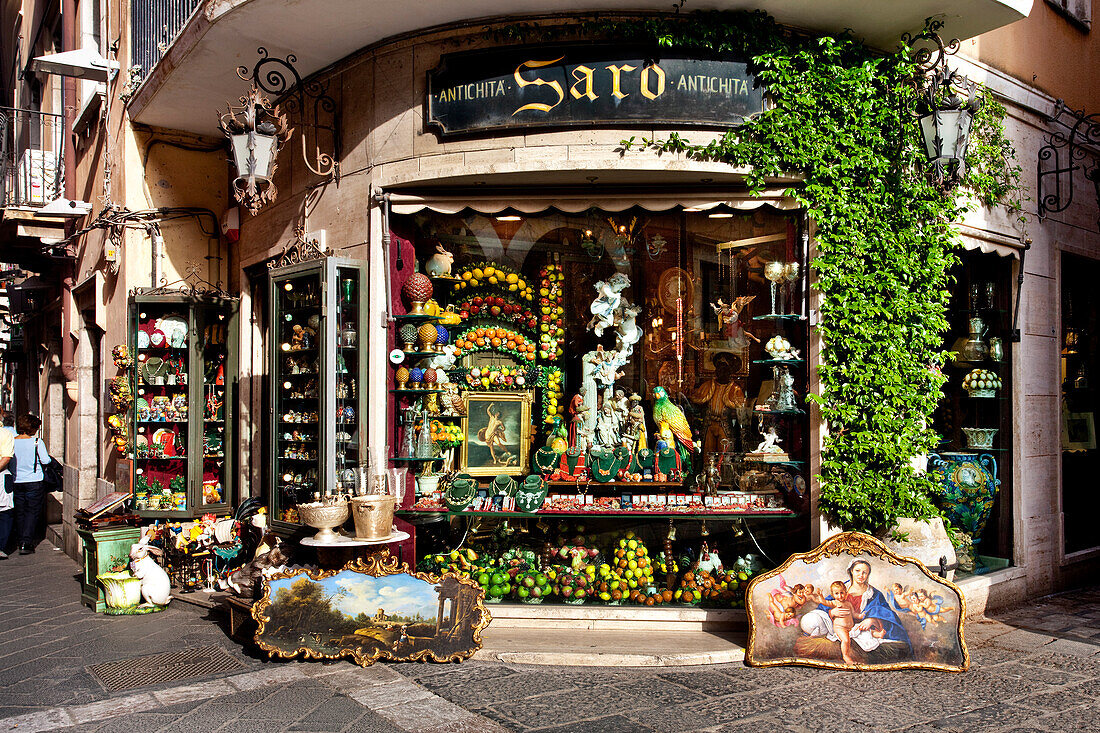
x=901 y=616
x=309 y=613
x=497 y=433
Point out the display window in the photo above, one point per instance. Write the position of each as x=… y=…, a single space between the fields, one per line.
x=1080 y=362
x=972 y=467
x=605 y=406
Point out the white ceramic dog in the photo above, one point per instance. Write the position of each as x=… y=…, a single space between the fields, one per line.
x=156 y=588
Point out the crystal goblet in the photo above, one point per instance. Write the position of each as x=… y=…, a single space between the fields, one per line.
x=773 y=271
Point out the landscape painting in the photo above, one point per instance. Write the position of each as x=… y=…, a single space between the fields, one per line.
x=853 y=604
x=370 y=610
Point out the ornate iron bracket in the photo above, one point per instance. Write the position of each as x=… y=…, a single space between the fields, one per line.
x=271 y=75
x=297 y=250
x=1069 y=151
x=192 y=284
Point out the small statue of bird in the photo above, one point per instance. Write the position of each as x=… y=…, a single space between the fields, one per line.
x=666 y=412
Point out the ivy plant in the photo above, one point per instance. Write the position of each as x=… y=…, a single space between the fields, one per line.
x=841 y=118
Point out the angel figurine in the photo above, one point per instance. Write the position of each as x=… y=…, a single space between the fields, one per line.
x=729 y=321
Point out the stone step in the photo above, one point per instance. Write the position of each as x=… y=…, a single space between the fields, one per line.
x=610 y=648
x=623 y=618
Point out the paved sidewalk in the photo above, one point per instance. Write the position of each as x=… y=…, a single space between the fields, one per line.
x=1036 y=669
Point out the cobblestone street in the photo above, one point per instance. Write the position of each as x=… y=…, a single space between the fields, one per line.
x=1035 y=669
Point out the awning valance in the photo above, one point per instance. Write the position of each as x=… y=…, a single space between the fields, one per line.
x=574 y=203
x=983 y=240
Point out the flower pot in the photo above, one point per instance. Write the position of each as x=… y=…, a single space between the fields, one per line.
x=926 y=542
x=373 y=515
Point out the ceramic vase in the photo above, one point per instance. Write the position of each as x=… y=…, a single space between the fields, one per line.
x=968 y=487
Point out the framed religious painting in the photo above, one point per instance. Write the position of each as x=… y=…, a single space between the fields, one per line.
x=851 y=603
x=497 y=433
x=369 y=610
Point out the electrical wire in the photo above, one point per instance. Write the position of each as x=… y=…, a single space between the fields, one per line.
x=758 y=547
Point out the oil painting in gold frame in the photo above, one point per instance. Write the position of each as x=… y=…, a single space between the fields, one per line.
x=497 y=435
x=890 y=614
x=369 y=610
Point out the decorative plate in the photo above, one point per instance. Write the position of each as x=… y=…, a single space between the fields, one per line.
x=157 y=338
x=167 y=438
x=142 y=339
x=175 y=330
x=675 y=283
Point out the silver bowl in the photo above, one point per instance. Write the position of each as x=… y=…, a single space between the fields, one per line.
x=325 y=518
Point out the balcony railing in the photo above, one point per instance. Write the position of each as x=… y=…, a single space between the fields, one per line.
x=32 y=154
x=154 y=24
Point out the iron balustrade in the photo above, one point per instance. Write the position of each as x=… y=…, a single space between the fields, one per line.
x=154 y=24
x=32 y=153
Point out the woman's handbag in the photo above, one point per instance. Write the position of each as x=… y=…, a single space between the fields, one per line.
x=52 y=476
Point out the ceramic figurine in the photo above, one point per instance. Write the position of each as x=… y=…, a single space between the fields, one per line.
x=441 y=336
x=606 y=302
x=416 y=377
x=666 y=412
x=729 y=321
x=577 y=410
x=607 y=433
x=771 y=442
x=440 y=263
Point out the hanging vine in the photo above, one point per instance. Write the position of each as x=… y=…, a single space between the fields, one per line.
x=841 y=118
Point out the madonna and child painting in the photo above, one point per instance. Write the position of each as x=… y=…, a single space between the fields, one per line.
x=853 y=604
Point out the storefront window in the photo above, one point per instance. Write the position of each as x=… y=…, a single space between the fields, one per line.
x=973 y=465
x=1080 y=357
x=586 y=348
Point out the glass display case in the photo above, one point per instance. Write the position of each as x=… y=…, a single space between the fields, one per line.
x=184 y=370
x=318 y=375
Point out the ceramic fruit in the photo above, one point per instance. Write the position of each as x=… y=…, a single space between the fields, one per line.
x=401 y=377
x=417 y=290
x=441 y=335
x=407 y=334
x=430 y=376
x=981 y=383
x=427 y=335
x=416 y=377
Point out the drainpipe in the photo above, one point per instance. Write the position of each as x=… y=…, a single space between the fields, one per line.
x=68 y=108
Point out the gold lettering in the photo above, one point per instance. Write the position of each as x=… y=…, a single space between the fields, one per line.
x=682 y=84
x=616 y=90
x=583 y=74
x=660 y=74
x=538 y=106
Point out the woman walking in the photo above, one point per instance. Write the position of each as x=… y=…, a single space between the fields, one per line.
x=30 y=486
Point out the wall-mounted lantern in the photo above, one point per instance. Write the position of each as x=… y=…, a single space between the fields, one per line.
x=256 y=132
x=948 y=103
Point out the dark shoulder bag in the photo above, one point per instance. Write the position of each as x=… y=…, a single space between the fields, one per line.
x=51 y=472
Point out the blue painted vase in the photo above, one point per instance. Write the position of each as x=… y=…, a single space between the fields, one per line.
x=968 y=487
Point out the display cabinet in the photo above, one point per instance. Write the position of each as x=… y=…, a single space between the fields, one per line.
x=318 y=376
x=183 y=415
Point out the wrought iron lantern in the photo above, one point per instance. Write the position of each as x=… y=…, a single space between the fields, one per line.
x=256 y=132
x=945 y=113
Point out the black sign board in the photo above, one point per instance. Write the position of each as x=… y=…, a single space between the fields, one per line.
x=585 y=86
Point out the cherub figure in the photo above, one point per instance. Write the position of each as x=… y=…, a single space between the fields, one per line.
x=928 y=607
x=898 y=598
x=785 y=602
x=607 y=300
x=844 y=617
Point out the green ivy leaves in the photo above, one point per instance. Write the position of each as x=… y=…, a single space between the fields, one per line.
x=841 y=117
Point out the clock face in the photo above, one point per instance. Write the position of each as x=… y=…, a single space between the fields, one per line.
x=675 y=284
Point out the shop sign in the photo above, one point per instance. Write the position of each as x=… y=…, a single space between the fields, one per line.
x=563 y=86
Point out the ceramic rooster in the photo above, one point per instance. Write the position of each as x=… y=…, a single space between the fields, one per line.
x=666 y=412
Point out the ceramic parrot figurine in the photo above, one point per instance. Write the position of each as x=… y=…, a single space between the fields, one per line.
x=558 y=439
x=666 y=412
